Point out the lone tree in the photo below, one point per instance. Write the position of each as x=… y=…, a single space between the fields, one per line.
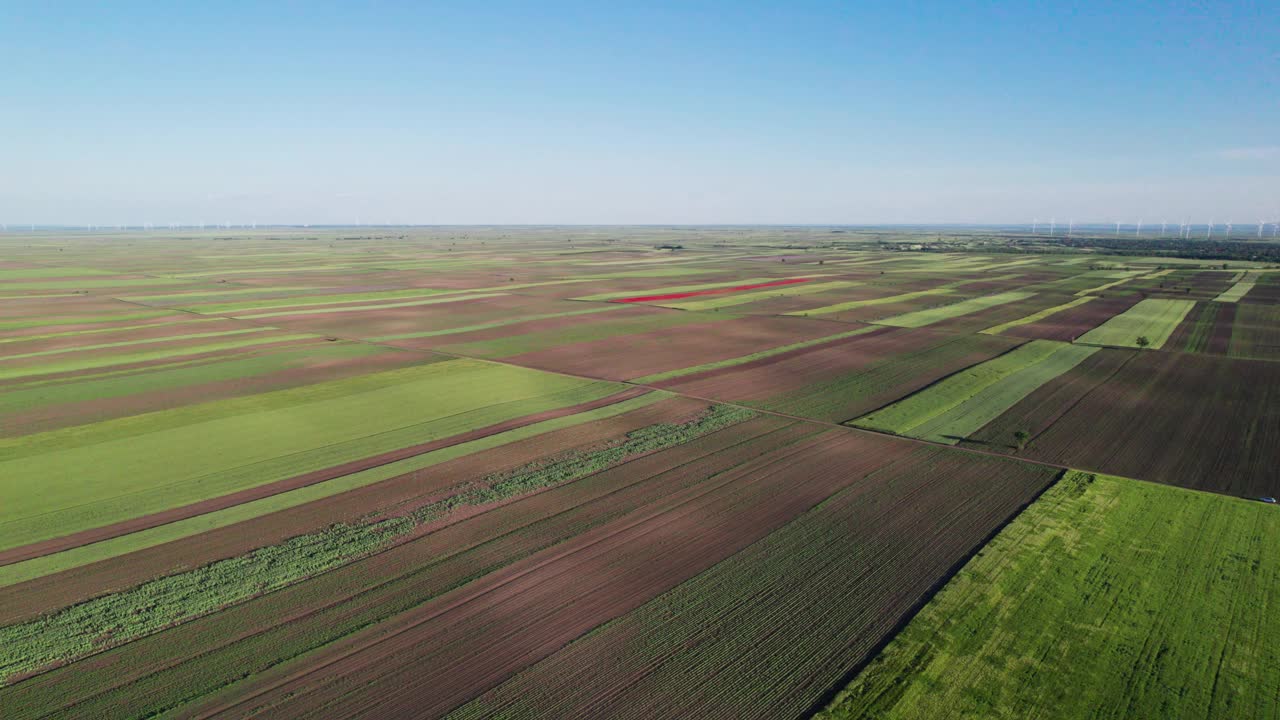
x=1020 y=437
x=1142 y=341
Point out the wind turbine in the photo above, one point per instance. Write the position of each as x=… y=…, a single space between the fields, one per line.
x=1138 y=232
x=1260 y=229
x=1071 y=226
x=1035 y=225
x=1163 y=224
x=1208 y=234
x=1228 y=236
x=1053 y=224
x=1117 y=228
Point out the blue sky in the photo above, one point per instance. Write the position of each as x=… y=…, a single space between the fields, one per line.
x=715 y=112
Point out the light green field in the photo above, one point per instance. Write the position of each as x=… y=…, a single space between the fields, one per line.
x=157 y=379
x=959 y=405
x=70 y=364
x=107 y=472
x=841 y=307
x=658 y=377
x=1235 y=292
x=921 y=318
x=1037 y=316
x=85 y=554
x=1106 y=598
x=1154 y=319
x=743 y=298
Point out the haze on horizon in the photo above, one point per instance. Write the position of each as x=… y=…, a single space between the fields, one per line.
x=599 y=113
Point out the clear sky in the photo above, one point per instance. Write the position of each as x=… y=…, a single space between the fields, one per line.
x=603 y=112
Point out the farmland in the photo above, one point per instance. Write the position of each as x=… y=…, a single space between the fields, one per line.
x=1137 y=572
x=629 y=472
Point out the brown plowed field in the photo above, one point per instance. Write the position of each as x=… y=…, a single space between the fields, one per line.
x=1074 y=322
x=631 y=356
x=427 y=661
x=1198 y=421
x=877 y=547
x=840 y=380
x=206 y=654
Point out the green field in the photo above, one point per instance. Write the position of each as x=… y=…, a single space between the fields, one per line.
x=902 y=297
x=950 y=410
x=152 y=462
x=921 y=318
x=85 y=554
x=1235 y=292
x=1153 y=318
x=1106 y=598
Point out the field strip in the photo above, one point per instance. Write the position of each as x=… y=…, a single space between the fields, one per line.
x=69 y=365
x=159 y=470
x=217 y=293
x=1037 y=316
x=341 y=299
x=921 y=318
x=85 y=554
x=902 y=416
x=991 y=402
x=840 y=307
x=1152 y=318
x=1159 y=274
x=602 y=297
x=186 y=320
x=91 y=284
x=1236 y=292
x=260 y=270
x=128 y=343
x=491 y=325
x=1105 y=286
x=724 y=301
x=360 y=308
x=258 y=492
x=81 y=320
x=658 y=377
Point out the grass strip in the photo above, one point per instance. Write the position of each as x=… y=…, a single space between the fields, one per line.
x=1154 y=319
x=904 y=416
x=1235 y=292
x=921 y=318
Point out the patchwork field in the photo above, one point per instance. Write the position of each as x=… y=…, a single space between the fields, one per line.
x=630 y=472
